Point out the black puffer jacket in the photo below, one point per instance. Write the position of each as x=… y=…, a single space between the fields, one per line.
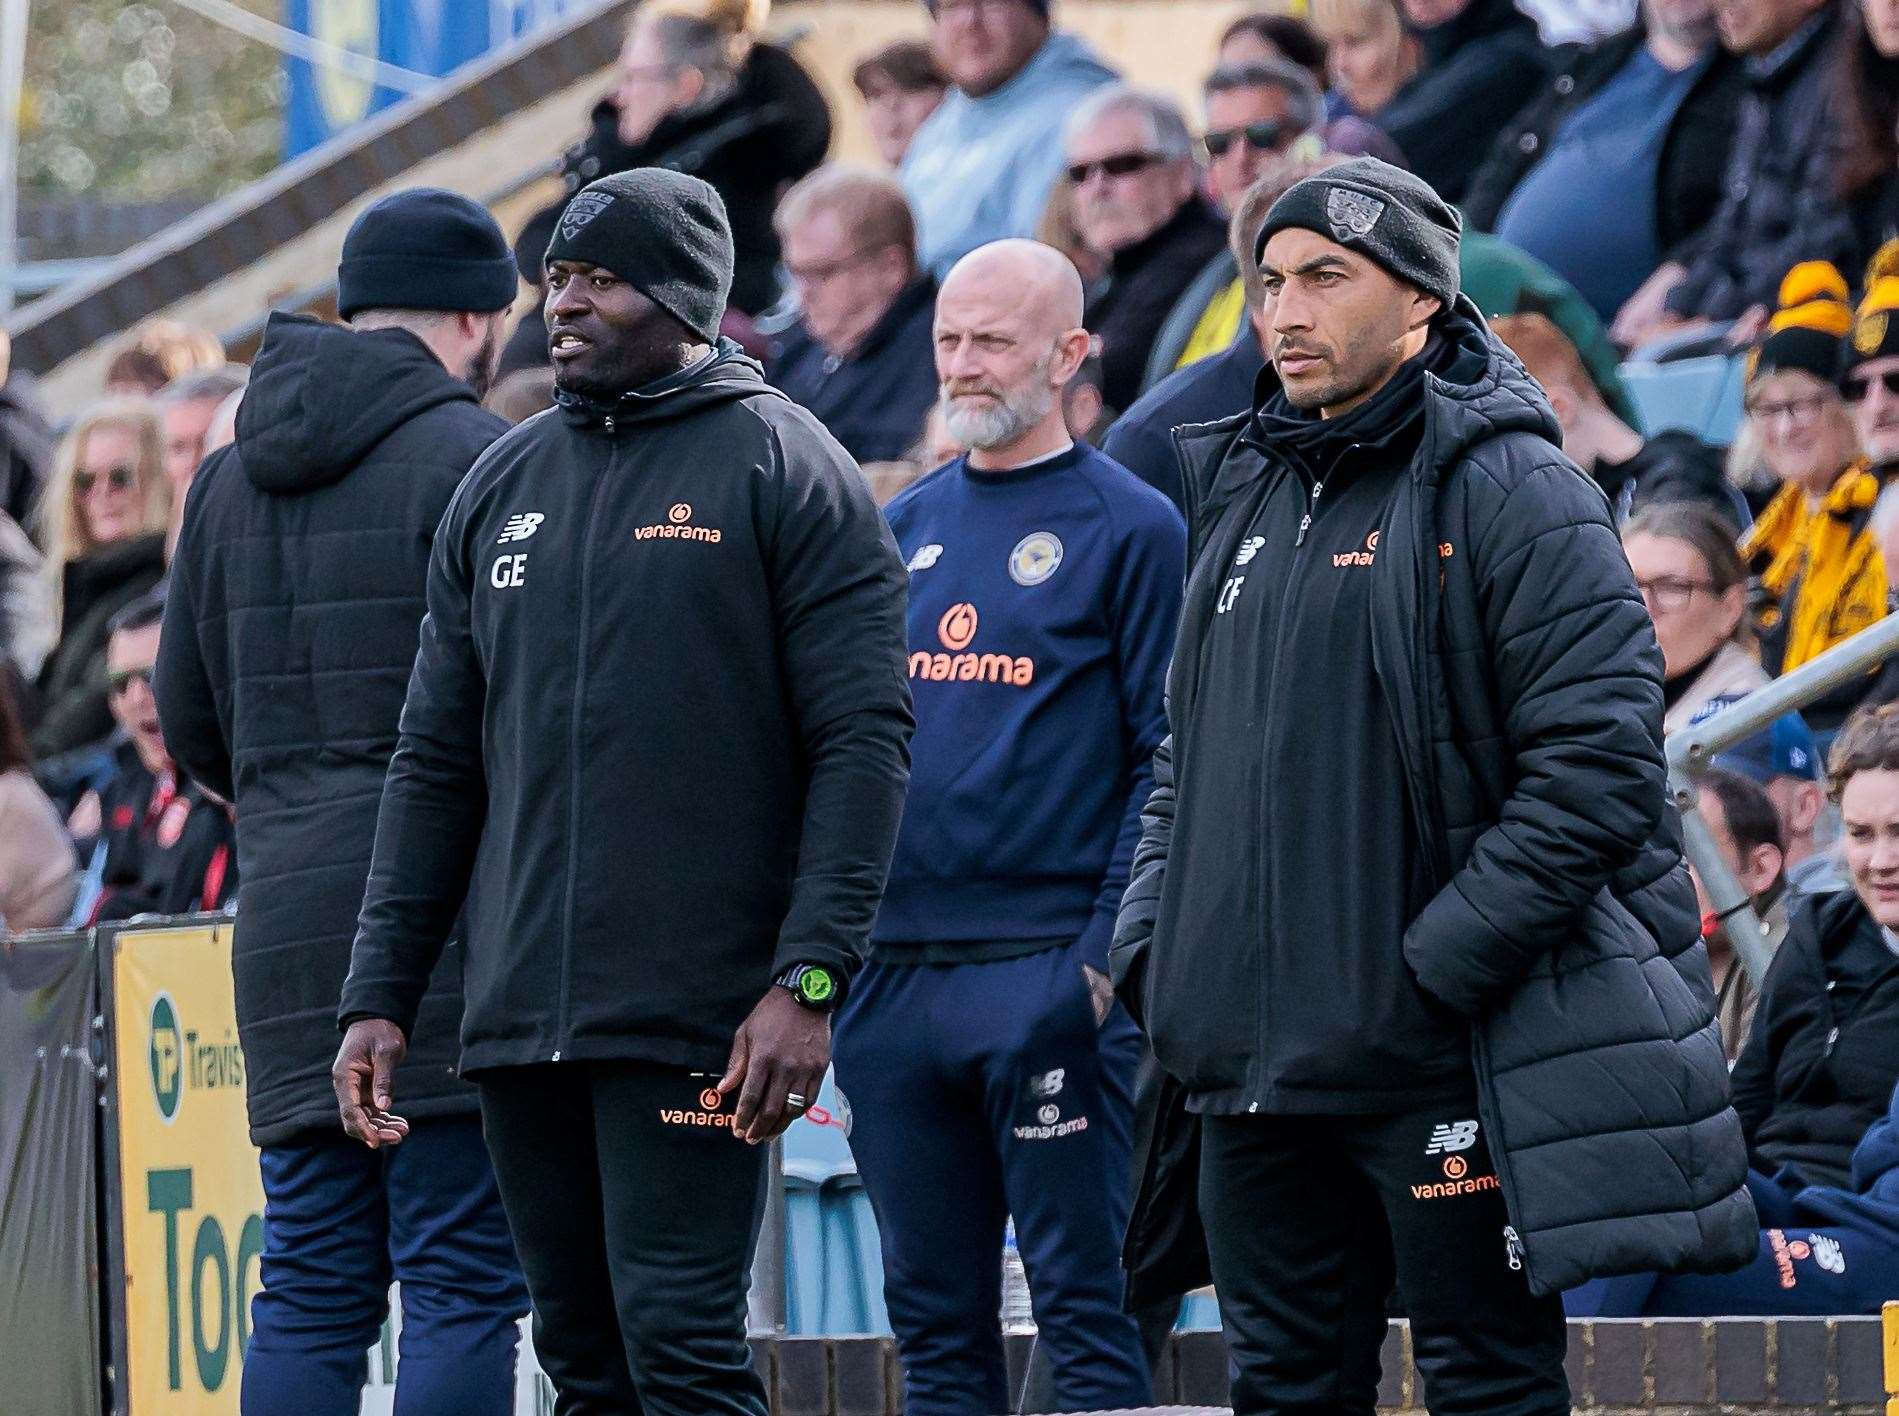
x=1820 y=1064
x=289 y=636
x=1563 y=925
x=1694 y=152
x=770 y=130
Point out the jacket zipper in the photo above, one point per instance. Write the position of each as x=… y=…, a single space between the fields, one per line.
x=561 y=1021
x=1305 y=522
x=1514 y=1251
x=1287 y=595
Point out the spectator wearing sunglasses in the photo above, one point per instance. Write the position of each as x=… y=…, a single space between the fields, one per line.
x=1871 y=384
x=167 y=844
x=1130 y=160
x=1814 y=552
x=103 y=521
x=1262 y=115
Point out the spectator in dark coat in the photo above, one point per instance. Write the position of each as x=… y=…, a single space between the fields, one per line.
x=700 y=93
x=1779 y=206
x=1618 y=160
x=1142 y=438
x=1482 y=62
x=1822 y=1060
x=103 y=524
x=860 y=356
x=1130 y=157
x=1635 y=471
x=295 y=602
x=1866 y=88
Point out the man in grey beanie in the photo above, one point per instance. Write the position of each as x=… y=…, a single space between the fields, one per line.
x=1408 y=926
x=658 y=736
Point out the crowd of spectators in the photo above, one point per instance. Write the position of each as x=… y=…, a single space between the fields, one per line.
x=1699 y=177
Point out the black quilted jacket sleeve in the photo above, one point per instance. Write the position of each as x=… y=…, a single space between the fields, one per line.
x=1578 y=679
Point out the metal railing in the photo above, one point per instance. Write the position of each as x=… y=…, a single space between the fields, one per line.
x=1691 y=752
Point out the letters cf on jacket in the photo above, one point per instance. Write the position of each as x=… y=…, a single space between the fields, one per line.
x=658 y=729
x=1524 y=685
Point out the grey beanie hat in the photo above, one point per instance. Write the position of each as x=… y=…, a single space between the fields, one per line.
x=1382 y=212
x=665 y=233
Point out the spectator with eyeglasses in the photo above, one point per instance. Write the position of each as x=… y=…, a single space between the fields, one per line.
x=1695 y=586
x=982 y=167
x=1814 y=552
x=103 y=522
x=1137 y=200
x=860 y=357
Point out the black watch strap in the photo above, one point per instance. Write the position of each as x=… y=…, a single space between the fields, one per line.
x=813 y=985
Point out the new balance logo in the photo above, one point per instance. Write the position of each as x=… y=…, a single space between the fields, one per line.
x=1249 y=548
x=1454 y=1136
x=520 y=527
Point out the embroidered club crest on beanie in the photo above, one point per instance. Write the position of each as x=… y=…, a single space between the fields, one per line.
x=1384 y=213
x=666 y=234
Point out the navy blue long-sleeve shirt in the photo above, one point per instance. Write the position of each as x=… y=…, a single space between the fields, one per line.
x=1043 y=604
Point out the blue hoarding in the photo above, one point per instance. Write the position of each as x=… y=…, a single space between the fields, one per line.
x=432 y=37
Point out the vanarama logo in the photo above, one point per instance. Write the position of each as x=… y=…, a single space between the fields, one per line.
x=709 y=1115
x=1370 y=553
x=957 y=631
x=677 y=527
x=1445 y=1189
x=1364 y=557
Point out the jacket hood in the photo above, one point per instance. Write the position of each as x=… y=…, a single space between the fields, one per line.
x=322 y=396
x=1484 y=393
x=722 y=376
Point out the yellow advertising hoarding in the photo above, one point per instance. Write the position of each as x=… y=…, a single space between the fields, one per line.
x=189 y=1198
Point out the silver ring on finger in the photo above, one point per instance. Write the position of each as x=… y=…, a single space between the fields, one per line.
x=795 y=1101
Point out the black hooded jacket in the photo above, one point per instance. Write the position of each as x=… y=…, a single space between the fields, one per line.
x=289 y=635
x=1823 y=1057
x=658 y=730
x=1557 y=935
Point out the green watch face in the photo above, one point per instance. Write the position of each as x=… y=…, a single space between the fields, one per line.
x=816 y=986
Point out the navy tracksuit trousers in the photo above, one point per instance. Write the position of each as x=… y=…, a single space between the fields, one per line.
x=980 y=1091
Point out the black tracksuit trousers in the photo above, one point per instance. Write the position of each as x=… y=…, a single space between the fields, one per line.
x=1310 y=1218
x=635 y=1211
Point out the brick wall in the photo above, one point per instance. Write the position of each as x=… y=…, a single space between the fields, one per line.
x=1655 y=1367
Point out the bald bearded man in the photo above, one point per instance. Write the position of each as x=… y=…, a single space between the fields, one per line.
x=989 y=1068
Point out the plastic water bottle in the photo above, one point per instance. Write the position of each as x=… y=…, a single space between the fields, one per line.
x=1017 y=1315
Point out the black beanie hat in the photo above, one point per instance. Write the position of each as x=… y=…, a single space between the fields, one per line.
x=1808 y=330
x=1383 y=213
x=664 y=233
x=425 y=249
